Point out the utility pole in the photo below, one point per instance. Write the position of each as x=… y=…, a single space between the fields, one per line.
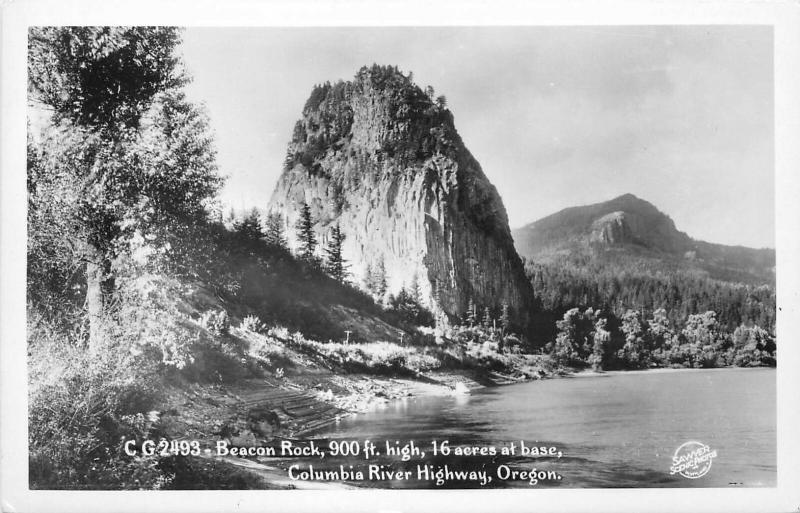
x=347 y=341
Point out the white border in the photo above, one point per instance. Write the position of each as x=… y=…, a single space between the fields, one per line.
x=17 y=16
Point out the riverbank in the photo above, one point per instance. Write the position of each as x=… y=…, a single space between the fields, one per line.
x=256 y=412
x=590 y=373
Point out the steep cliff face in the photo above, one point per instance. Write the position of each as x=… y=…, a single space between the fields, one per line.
x=382 y=158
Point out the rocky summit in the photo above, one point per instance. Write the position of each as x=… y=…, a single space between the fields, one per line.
x=381 y=157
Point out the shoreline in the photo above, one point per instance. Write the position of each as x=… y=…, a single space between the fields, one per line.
x=588 y=373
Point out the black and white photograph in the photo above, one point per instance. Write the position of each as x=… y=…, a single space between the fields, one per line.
x=290 y=259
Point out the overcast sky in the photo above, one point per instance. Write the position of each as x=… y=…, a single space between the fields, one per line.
x=557 y=116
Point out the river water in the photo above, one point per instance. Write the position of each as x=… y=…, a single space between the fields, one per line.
x=613 y=430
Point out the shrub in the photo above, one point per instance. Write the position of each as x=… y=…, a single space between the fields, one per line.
x=252 y=323
x=216 y=322
x=82 y=407
x=377 y=357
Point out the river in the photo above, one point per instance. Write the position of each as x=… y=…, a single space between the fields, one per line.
x=613 y=430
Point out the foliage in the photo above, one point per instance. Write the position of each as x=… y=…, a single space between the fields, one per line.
x=601 y=338
x=81 y=408
x=487 y=321
x=754 y=347
x=635 y=351
x=505 y=318
x=635 y=343
x=102 y=76
x=252 y=323
x=409 y=309
x=417 y=126
x=335 y=263
x=414 y=289
x=616 y=283
x=471 y=315
x=377 y=357
x=130 y=155
x=216 y=322
x=575 y=340
x=273 y=233
x=305 y=233
x=375 y=280
x=249 y=228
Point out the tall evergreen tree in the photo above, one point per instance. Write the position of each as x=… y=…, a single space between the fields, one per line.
x=375 y=279
x=414 y=290
x=305 y=233
x=487 y=318
x=336 y=265
x=505 y=319
x=381 y=284
x=472 y=314
x=369 y=278
x=273 y=234
x=249 y=227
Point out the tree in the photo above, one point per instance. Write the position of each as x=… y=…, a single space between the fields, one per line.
x=660 y=336
x=753 y=346
x=471 y=316
x=375 y=279
x=575 y=339
x=381 y=285
x=634 y=353
x=505 y=319
x=415 y=291
x=249 y=228
x=601 y=338
x=369 y=274
x=230 y=218
x=704 y=340
x=134 y=154
x=273 y=233
x=486 y=322
x=305 y=233
x=102 y=77
x=336 y=265
x=403 y=303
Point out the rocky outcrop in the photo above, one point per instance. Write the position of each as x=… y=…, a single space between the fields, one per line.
x=622 y=220
x=382 y=158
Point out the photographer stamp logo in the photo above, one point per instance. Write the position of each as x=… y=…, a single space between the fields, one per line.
x=692 y=460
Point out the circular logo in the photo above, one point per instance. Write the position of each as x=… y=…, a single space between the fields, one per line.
x=692 y=460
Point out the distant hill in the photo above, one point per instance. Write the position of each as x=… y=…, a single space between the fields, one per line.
x=634 y=230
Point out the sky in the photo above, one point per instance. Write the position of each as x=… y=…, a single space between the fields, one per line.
x=681 y=116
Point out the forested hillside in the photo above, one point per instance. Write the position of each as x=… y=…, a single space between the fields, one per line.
x=624 y=258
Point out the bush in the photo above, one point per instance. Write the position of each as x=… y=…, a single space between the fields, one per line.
x=379 y=357
x=216 y=322
x=252 y=323
x=82 y=407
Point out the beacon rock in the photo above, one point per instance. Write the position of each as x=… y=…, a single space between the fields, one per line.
x=382 y=158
